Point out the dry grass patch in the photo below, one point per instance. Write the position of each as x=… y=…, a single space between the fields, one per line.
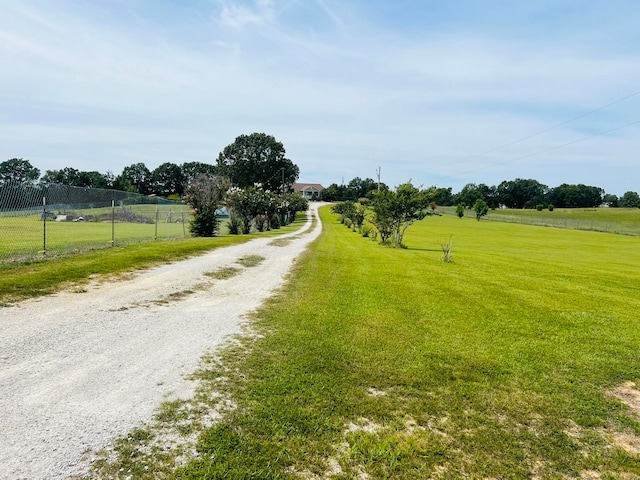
x=250 y=260
x=628 y=442
x=223 y=273
x=628 y=394
x=281 y=242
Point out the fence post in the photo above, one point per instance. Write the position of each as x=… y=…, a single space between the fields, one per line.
x=184 y=232
x=44 y=225
x=156 y=236
x=113 y=223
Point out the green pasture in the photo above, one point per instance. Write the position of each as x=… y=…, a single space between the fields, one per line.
x=625 y=221
x=389 y=363
x=630 y=216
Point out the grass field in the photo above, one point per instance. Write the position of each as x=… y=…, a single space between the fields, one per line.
x=23 y=237
x=625 y=221
x=373 y=362
x=629 y=216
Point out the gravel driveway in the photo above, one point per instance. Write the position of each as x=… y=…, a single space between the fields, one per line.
x=78 y=369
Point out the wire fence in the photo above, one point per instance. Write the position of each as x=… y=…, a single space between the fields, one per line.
x=619 y=228
x=52 y=220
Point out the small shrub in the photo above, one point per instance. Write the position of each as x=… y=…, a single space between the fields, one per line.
x=551 y=207
x=204 y=222
x=348 y=222
x=358 y=216
x=235 y=224
x=261 y=222
x=539 y=207
x=366 y=230
x=275 y=221
x=460 y=210
x=344 y=209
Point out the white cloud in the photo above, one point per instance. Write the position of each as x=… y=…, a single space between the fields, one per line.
x=238 y=15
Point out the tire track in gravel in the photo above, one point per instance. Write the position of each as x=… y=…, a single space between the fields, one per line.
x=79 y=369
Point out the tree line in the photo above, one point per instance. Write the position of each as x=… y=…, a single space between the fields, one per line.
x=250 y=159
x=166 y=180
x=252 y=177
x=518 y=193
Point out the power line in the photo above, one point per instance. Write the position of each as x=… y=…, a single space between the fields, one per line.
x=551 y=128
x=554 y=148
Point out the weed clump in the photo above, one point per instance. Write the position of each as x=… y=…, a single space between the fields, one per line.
x=447 y=248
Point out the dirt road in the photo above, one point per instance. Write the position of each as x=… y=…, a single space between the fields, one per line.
x=80 y=368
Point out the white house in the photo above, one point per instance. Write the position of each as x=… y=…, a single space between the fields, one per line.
x=310 y=191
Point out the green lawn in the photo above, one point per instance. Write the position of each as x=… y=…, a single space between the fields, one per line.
x=394 y=364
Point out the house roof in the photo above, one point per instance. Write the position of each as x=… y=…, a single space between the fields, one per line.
x=299 y=187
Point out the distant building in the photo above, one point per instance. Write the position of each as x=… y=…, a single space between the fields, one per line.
x=310 y=191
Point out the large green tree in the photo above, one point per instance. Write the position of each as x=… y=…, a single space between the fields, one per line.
x=167 y=179
x=472 y=192
x=521 y=193
x=192 y=170
x=575 y=196
x=64 y=176
x=361 y=188
x=75 y=178
x=94 y=179
x=137 y=176
x=443 y=196
x=18 y=170
x=611 y=199
x=630 y=200
x=337 y=193
x=257 y=159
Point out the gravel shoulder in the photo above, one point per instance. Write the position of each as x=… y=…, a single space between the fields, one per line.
x=79 y=369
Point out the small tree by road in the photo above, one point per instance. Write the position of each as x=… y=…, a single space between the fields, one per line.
x=395 y=211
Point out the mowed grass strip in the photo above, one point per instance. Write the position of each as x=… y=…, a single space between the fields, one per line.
x=389 y=363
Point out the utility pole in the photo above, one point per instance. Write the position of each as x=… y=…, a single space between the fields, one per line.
x=378 y=175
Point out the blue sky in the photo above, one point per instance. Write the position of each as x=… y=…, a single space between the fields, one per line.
x=435 y=92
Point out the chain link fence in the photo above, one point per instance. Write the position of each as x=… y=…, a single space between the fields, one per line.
x=50 y=220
